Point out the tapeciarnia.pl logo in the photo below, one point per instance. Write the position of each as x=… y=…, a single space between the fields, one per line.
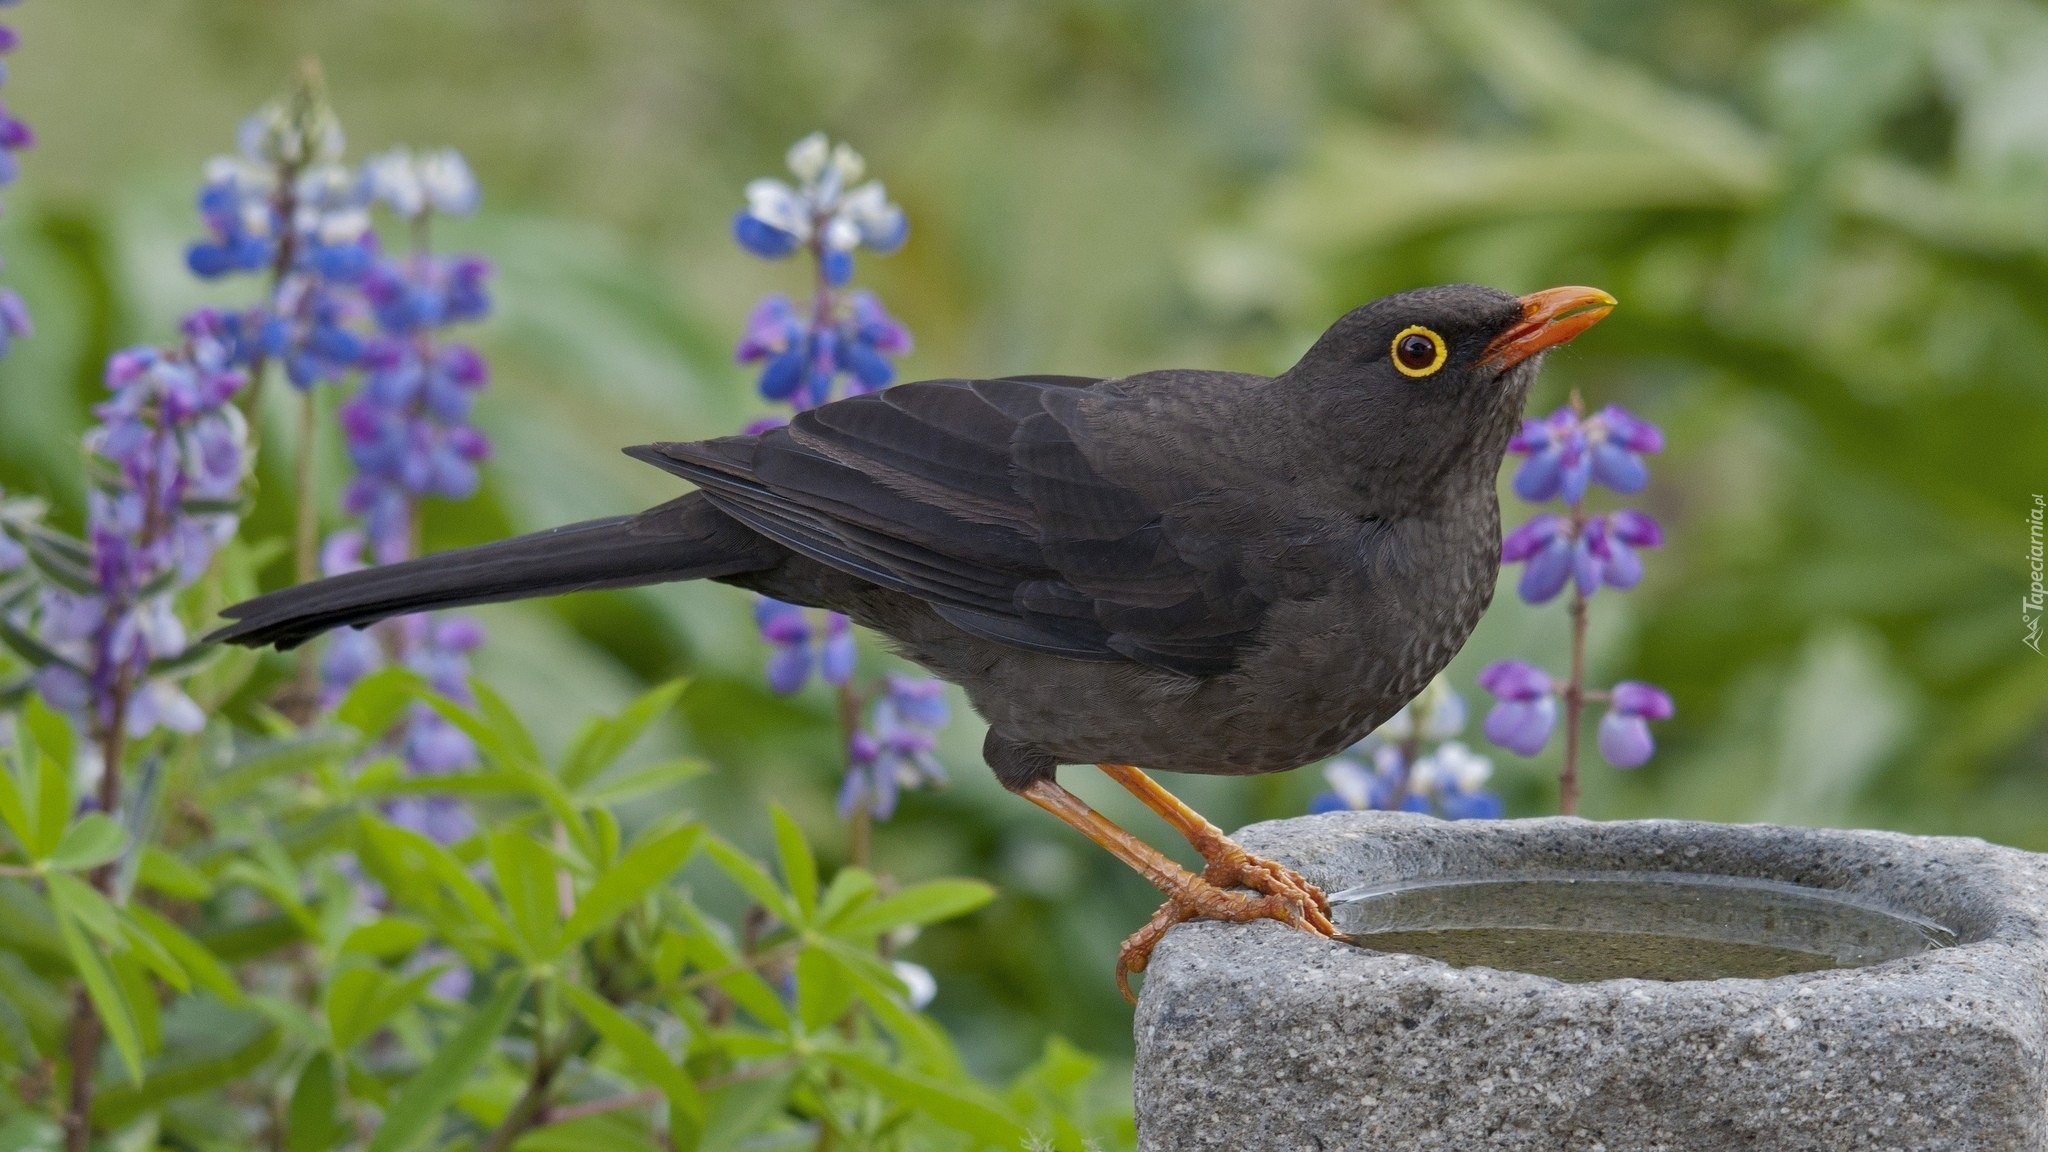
x=2031 y=604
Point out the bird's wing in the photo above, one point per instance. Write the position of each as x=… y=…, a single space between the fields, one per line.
x=988 y=500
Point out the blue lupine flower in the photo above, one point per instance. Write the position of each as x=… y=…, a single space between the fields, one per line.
x=285 y=187
x=1525 y=707
x=1389 y=770
x=800 y=359
x=1624 y=736
x=820 y=212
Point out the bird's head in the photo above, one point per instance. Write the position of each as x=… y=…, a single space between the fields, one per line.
x=1425 y=387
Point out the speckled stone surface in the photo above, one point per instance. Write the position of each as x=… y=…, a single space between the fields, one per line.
x=1254 y=1037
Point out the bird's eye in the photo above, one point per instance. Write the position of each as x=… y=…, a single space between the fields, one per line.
x=1418 y=351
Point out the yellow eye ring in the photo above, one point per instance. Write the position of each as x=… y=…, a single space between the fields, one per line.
x=1417 y=351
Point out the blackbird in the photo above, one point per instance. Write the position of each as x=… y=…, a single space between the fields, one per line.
x=1188 y=570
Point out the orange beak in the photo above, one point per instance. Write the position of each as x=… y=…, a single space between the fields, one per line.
x=1549 y=318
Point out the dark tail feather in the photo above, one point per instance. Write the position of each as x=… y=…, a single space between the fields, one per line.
x=685 y=539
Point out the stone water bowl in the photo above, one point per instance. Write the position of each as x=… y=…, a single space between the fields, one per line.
x=1643 y=985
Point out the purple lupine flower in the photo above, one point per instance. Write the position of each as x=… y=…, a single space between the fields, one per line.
x=174 y=452
x=804 y=641
x=15 y=136
x=1544 y=545
x=1624 y=736
x=1565 y=452
x=787 y=630
x=896 y=748
x=1525 y=706
x=1600 y=550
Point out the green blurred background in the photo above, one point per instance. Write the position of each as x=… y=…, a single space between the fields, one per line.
x=1827 y=225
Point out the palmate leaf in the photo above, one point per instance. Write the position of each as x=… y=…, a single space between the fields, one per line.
x=67 y=563
x=962 y=1107
x=604 y=739
x=172 y=1078
x=361 y=1000
x=527 y=880
x=418 y=1108
x=92 y=841
x=646 y=1057
x=643 y=868
x=108 y=997
x=24 y=644
x=924 y=903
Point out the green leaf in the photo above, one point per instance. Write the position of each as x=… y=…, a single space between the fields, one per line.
x=274 y=758
x=620 y=1131
x=602 y=741
x=171 y=875
x=923 y=1044
x=386 y=939
x=53 y=804
x=434 y=1087
x=379 y=699
x=850 y=886
x=647 y=865
x=799 y=867
x=14 y=806
x=527 y=882
x=824 y=990
x=956 y=1106
x=154 y=956
x=404 y=854
x=643 y=1055
x=169 y=1080
x=752 y=879
x=89 y=843
x=361 y=1000
x=101 y=988
x=313 y=1122
x=199 y=962
x=53 y=733
x=633 y=783
x=84 y=903
x=924 y=903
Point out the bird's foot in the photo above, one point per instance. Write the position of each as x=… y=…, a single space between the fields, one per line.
x=1283 y=895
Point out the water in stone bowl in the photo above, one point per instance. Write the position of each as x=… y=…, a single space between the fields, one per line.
x=1581 y=927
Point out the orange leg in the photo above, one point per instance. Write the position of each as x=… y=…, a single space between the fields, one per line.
x=1285 y=896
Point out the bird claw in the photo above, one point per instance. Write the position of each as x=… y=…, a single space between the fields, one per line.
x=1283 y=895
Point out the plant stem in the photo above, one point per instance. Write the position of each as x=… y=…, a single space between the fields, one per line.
x=531 y=1109
x=1575 y=686
x=1574 y=709
x=84 y=1029
x=862 y=833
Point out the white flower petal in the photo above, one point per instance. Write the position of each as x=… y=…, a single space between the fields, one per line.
x=777 y=204
x=1446 y=716
x=449 y=184
x=847 y=164
x=807 y=156
x=841 y=234
x=920 y=986
x=1351 y=781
